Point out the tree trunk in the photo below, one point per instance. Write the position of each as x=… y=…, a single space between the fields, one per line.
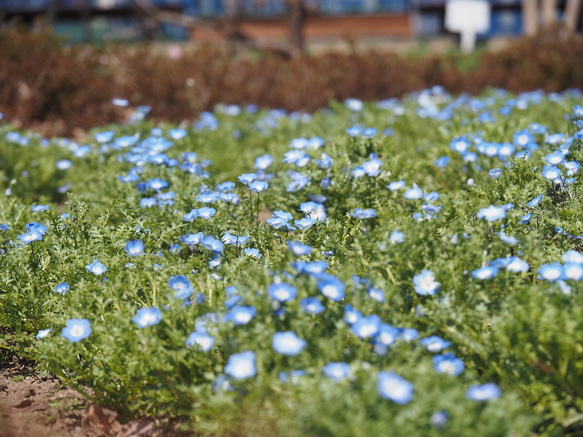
x=297 y=19
x=572 y=14
x=530 y=16
x=549 y=12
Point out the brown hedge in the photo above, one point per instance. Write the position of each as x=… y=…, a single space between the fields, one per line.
x=59 y=89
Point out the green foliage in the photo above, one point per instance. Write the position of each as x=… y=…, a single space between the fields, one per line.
x=516 y=329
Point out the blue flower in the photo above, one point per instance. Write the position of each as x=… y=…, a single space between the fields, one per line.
x=367 y=326
x=241 y=365
x=440 y=418
x=551 y=173
x=304 y=223
x=487 y=272
x=448 y=363
x=395 y=388
x=396 y=237
x=206 y=212
x=96 y=268
x=298 y=182
x=287 y=343
x=282 y=291
x=30 y=236
x=311 y=268
x=409 y=334
x=76 y=330
x=42 y=333
x=292 y=376
x=517 y=265
x=425 y=283
x=386 y=335
x=311 y=305
x=202 y=339
x=212 y=243
x=157 y=184
x=495 y=173
x=354 y=131
x=336 y=371
x=434 y=343
x=394 y=186
x=351 y=315
x=442 y=162
x=263 y=161
x=40 y=208
x=62 y=288
x=492 y=213
x=373 y=167
x=241 y=315
x=376 y=294
x=147 y=317
x=247 y=178
x=332 y=288
x=369 y=132
x=235 y=240
x=181 y=285
x=551 y=272
x=298 y=248
x=353 y=104
x=363 y=213
x=104 y=137
x=258 y=186
x=508 y=239
x=555 y=158
x=175 y=248
x=483 y=392
x=134 y=248
x=252 y=253
x=148 y=202
x=413 y=193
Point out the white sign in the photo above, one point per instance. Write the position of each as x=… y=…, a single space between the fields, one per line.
x=468 y=17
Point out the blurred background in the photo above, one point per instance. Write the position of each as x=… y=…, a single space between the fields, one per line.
x=63 y=61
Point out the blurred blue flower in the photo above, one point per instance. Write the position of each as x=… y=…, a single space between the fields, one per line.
x=42 y=333
x=287 y=343
x=76 y=330
x=62 y=288
x=202 y=339
x=241 y=365
x=181 y=286
x=147 y=317
x=258 y=186
x=434 y=343
x=448 y=363
x=425 y=283
x=351 y=315
x=395 y=388
x=363 y=213
x=311 y=305
x=282 y=291
x=332 y=288
x=551 y=272
x=336 y=371
x=492 y=213
x=366 y=327
x=134 y=248
x=241 y=315
x=96 y=268
x=413 y=193
x=487 y=272
x=484 y=392
x=298 y=248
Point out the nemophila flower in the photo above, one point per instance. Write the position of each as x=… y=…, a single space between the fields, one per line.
x=40 y=208
x=508 y=239
x=555 y=158
x=63 y=164
x=353 y=104
x=76 y=330
x=332 y=288
x=386 y=335
x=311 y=305
x=298 y=248
x=252 y=253
x=363 y=213
x=354 y=131
x=572 y=256
x=205 y=212
x=148 y=202
x=448 y=363
x=192 y=239
x=120 y=102
x=175 y=249
x=263 y=161
x=241 y=365
x=551 y=272
x=62 y=288
x=484 y=392
x=304 y=223
x=42 y=333
x=297 y=157
x=495 y=173
x=351 y=315
x=96 y=268
x=298 y=181
x=413 y=193
x=287 y=343
x=373 y=167
x=434 y=343
x=573 y=271
x=336 y=371
x=395 y=388
x=492 y=213
x=487 y=272
x=369 y=132
x=147 y=317
x=202 y=339
x=536 y=201
x=207 y=197
x=4 y=227
x=282 y=291
x=30 y=236
x=212 y=243
x=517 y=265
x=460 y=145
x=572 y=167
x=280 y=219
x=396 y=237
x=181 y=286
x=258 y=186
x=425 y=283
x=397 y=185
x=241 y=315
x=234 y=240
x=409 y=334
x=156 y=184
x=366 y=327
x=104 y=137
x=376 y=294
x=247 y=178
x=442 y=162
x=134 y=248
x=551 y=173
x=310 y=268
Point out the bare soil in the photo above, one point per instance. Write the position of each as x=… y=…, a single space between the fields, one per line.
x=36 y=405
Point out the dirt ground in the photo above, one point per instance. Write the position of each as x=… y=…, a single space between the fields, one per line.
x=35 y=405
